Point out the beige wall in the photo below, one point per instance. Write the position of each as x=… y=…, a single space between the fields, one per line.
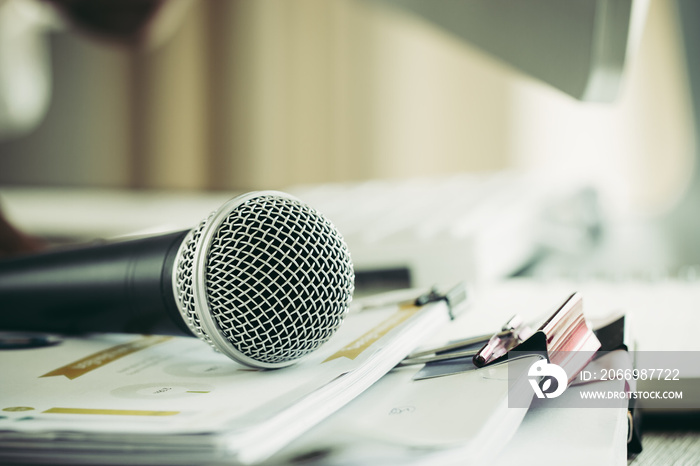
x=266 y=94
x=315 y=91
x=85 y=138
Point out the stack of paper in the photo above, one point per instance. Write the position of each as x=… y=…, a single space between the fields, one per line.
x=461 y=419
x=125 y=399
x=469 y=417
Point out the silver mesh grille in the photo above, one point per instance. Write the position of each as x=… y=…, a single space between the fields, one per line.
x=278 y=280
x=183 y=282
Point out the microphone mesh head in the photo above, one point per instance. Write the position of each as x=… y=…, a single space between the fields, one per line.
x=266 y=279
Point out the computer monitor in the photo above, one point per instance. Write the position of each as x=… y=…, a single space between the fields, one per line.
x=576 y=46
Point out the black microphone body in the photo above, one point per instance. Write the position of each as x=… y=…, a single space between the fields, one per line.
x=124 y=286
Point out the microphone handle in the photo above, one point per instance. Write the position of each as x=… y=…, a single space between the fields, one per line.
x=116 y=287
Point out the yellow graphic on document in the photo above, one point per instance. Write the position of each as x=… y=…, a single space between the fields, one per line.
x=111 y=412
x=354 y=349
x=104 y=357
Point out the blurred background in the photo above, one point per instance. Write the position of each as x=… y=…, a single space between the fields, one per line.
x=214 y=96
x=250 y=95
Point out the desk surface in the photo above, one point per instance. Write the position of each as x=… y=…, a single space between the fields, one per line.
x=672 y=447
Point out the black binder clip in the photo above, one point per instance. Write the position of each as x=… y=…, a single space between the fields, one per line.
x=560 y=338
x=455 y=298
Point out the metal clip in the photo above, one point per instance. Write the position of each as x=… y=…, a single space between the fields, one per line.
x=456 y=299
x=511 y=334
x=564 y=331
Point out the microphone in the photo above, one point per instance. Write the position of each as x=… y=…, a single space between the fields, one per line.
x=265 y=279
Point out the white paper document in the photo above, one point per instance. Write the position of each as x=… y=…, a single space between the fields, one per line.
x=466 y=418
x=116 y=398
x=458 y=419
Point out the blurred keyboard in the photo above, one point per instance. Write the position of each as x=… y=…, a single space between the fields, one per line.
x=409 y=232
x=427 y=231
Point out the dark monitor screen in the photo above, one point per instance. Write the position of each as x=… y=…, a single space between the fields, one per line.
x=577 y=46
